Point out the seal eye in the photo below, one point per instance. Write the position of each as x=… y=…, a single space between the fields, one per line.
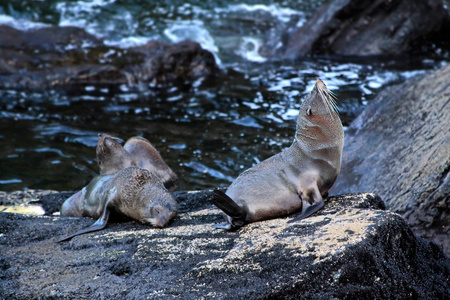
x=308 y=112
x=155 y=211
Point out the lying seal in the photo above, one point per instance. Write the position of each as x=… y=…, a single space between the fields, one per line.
x=149 y=158
x=296 y=178
x=139 y=194
x=134 y=192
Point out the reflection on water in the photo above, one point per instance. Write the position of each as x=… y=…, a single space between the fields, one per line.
x=208 y=133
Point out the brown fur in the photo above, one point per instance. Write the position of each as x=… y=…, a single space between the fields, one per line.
x=149 y=158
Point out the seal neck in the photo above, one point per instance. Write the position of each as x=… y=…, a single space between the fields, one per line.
x=318 y=133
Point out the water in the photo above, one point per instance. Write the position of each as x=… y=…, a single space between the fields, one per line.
x=207 y=133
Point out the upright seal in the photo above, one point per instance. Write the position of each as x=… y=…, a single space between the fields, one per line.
x=137 y=152
x=297 y=178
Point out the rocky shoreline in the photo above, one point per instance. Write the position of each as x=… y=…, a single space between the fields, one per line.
x=399 y=147
x=65 y=58
x=349 y=249
x=369 y=242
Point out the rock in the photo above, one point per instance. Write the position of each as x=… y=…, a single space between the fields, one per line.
x=66 y=57
x=381 y=27
x=399 y=148
x=350 y=249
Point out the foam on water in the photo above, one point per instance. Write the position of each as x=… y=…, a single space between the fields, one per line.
x=249 y=49
x=20 y=24
x=193 y=30
x=284 y=14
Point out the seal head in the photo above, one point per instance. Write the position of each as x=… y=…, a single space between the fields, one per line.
x=111 y=156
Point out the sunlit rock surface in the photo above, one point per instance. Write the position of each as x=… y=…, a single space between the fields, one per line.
x=350 y=249
x=399 y=148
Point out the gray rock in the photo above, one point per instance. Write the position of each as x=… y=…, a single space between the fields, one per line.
x=67 y=57
x=399 y=148
x=349 y=250
x=355 y=27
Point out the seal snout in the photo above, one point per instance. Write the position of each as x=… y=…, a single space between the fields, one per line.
x=101 y=139
x=320 y=85
x=160 y=216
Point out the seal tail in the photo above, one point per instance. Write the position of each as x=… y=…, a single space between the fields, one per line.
x=228 y=206
x=98 y=225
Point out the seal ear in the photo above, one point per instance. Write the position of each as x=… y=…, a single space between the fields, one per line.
x=308 y=111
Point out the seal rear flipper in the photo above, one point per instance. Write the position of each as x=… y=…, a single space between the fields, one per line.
x=236 y=213
x=98 y=225
x=309 y=208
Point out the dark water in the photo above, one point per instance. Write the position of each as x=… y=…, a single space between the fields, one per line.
x=207 y=133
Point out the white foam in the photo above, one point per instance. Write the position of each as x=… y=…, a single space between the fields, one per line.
x=282 y=13
x=193 y=30
x=130 y=41
x=249 y=49
x=20 y=24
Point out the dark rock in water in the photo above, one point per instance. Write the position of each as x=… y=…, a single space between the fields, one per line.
x=54 y=39
x=399 y=148
x=348 y=250
x=183 y=62
x=65 y=57
x=380 y=27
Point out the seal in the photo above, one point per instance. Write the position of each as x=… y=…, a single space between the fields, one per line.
x=147 y=157
x=137 y=152
x=111 y=156
x=150 y=203
x=135 y=192
x=297 y=178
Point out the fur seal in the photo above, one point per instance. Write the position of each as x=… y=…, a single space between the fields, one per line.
x=137 y=152
x=135 y=192
x=297 y=178
x=123 y=186
x=147 y=157
x=111 y=156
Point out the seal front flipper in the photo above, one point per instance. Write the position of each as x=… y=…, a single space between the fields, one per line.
x=235 y=212
x=312 y=201
x=98 y=225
